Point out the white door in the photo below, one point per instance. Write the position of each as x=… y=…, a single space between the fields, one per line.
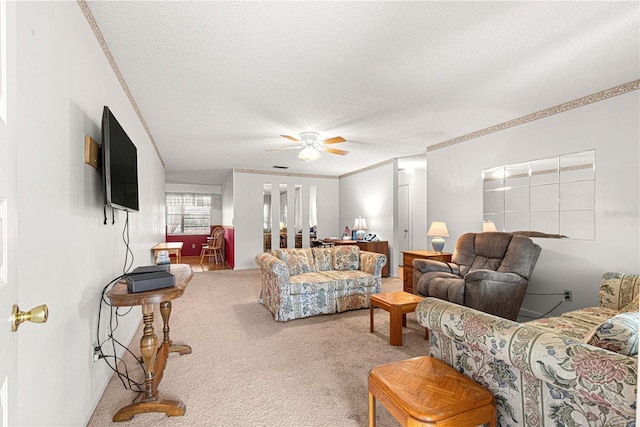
x=8 y=220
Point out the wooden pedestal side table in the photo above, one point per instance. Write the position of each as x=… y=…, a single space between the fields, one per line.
x=154 y=358
x=398 y=304
x=425 y=391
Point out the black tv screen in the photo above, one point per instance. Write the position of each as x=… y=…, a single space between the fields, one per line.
x=119 y=165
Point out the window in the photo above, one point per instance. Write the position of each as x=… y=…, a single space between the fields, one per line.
x=188 y=213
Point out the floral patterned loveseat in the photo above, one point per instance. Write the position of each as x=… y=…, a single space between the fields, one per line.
x=579 y=369
x=300 y=283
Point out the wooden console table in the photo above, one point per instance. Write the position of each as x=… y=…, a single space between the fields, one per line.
x=407 y=264
x=154 y=358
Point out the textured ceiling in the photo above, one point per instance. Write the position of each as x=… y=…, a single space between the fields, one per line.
x=218 y=82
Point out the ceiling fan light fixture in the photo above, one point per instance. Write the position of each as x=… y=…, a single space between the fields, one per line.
x=309 y=153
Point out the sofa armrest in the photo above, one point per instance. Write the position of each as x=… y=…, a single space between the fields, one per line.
x=276 y=286
x=372 y=262
x=427 y=265
x=618 y=289
x=554 y=375
x=496 y=276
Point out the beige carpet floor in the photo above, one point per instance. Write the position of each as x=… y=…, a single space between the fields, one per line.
x=247 y=369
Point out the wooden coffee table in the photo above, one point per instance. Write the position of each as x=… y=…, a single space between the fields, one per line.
x=425 y=391
x=174 y=248
x=398 y=304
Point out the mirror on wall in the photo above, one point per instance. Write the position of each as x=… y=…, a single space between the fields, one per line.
x=266 y=224
x=552 y=197
x=313 y=212
x=279 y=220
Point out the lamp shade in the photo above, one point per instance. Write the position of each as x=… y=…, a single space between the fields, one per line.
x=360 y=224
x=488 y=226
x=438 y=229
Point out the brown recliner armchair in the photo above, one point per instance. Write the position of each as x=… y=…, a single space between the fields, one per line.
x=489 y=272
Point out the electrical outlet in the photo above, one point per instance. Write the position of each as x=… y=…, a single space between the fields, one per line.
x=193 y=246
x=95 y=353
x=568 y=295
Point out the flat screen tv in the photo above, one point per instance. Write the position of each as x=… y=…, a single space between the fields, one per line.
x=119 y=165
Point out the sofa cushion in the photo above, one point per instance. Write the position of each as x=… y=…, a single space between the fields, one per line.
x=323 y=258
x=308 y=283
x=618 y=334
x=351 y=279
x=298 y=260
x=591 y=315
x=346 y=257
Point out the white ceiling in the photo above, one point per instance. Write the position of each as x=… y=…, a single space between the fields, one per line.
x=218 y=82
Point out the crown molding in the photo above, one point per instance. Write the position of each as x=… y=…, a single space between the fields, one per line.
x=368 y=168
x=576 y=103
x=103 y=44
x=275 y=173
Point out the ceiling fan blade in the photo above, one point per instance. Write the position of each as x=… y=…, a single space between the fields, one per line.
x=296 y=147
x=334 y=140
x=290 y=137
x=334 y=151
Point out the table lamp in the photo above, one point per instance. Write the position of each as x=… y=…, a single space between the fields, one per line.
x=360 y=226
x=438 y=230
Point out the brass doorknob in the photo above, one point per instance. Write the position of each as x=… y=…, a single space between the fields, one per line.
x=37 y=314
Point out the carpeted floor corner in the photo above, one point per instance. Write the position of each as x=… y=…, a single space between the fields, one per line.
x=247 y=369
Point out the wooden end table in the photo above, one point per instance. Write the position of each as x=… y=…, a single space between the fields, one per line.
x=398 y=304
x=154 y=358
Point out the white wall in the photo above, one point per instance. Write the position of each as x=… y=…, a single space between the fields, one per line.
x=248 y=210
x=65 y=254
x=227 y=201
x=611 y=127
x=372 y=194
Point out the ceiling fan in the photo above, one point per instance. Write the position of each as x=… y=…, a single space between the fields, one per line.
x=310 y=147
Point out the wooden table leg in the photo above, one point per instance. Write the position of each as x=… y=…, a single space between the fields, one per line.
x=165 y=312
x=154 y=362
x=148 y=350
x=371 y=318
x=372 y=410
x=395 y=326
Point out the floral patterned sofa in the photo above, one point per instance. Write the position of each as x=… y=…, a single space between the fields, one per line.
x=300 y=283
x=579 y=369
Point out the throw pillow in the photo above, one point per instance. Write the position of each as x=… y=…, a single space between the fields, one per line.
x=346 y=257
x=323 y=258
x=618 y=334
x=298 y=260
